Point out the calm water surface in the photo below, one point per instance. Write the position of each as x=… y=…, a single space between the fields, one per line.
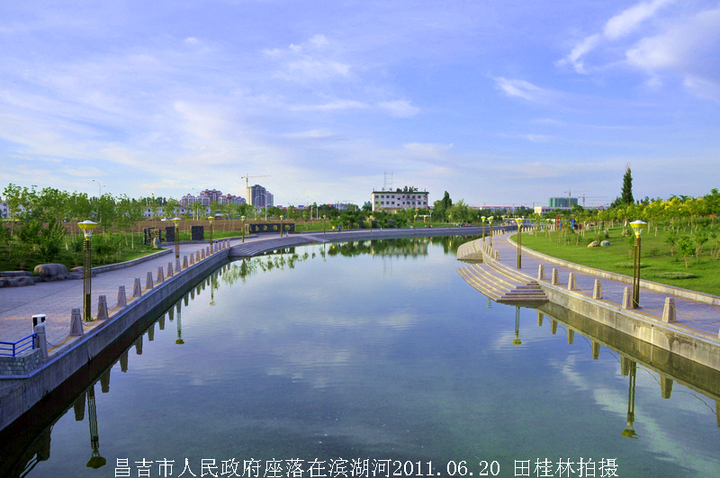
x=374 y=351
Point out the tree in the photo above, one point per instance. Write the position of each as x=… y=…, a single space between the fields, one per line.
x=627 y=195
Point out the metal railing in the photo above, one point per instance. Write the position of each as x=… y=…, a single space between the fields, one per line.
x=12 y=349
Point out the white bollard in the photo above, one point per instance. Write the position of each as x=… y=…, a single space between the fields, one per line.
x=102 y=313
x=76 y=325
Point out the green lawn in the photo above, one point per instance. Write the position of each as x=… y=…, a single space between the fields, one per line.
x=655 y=258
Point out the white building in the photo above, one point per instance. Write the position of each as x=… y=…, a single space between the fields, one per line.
x=4 y=212
x=397 y=200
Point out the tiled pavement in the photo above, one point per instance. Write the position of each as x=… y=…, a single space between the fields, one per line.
x=697 y=317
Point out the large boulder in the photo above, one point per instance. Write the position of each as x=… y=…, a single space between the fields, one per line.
x=605 y=243
x=51 y=272
x=594 y=244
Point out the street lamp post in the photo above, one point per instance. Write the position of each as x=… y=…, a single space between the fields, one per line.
x=503 y=223
x=211 y=219
x=281 y=225
x=242 y=218
x=519 y=221
x=490 y=233
x=483 y=227
x=638 y=227
x=87 y=227
x=176 y=220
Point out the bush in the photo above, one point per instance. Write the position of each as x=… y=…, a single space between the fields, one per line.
x=674 y=275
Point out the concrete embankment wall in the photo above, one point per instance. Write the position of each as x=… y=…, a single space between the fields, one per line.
x=671 y=337
x=28 y=390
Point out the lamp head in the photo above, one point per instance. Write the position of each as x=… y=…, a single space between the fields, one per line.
x=176 y=220
x=87 y=226
x=242 y=218
x=211 y=219
x=519 y=221
x=638 y=227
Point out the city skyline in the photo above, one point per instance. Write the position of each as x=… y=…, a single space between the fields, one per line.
x=498 y=104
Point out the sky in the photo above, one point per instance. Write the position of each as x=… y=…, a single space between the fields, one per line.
x=497 y=102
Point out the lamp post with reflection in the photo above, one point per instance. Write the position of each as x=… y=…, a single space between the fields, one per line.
x=176 y=220
x=483 y=227
x=242 y=218
x=516 y=340
x=96 y=461
x=281 y=225
x=519 y=221
x=211 y=219
x=638 y=227
x=324 y=217
x=87 y=228
x=629 y=430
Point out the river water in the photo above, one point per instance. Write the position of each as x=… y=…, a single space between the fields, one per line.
x=372 y=359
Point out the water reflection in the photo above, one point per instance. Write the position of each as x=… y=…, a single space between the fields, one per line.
x=296 y=361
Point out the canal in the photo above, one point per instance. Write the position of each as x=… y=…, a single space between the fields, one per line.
x=372 y=358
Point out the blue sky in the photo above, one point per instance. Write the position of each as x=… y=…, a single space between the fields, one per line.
x=496 y=102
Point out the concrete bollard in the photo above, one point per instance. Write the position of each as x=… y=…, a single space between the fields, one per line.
x=149 y=284
x=76 y=326
x=541 y=272
x=105 y=381
x=555 y=277
x=571 y=282
x=540 y=318
x=191 y=261
x=553 y=326
x=597 y=290
x=207 y=253
x=137 y=288
x=627 y=299
x=161 y=276
x=197 y=256
x=102 y=313
x=139 y=345
x=177 y=265
x=122 y=298
x=669 y=310
x=42 y=338
x=170 y=269
x=595 y=350
x=570 y=336
x=185 y=262
x=151 y=332
x=202 y=253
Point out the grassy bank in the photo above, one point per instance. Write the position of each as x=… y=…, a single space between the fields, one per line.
x=658 y=262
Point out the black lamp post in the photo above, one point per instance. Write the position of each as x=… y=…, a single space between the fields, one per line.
x=87 y=227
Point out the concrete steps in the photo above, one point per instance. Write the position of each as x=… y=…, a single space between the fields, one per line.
x=497 y=281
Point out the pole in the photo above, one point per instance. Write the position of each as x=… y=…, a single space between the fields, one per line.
x=177 y=242
x=87 y=278
x=636 y=274
x=519 y=247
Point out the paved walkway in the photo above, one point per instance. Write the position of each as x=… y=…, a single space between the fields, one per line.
x=697 y=317
x=57 y=299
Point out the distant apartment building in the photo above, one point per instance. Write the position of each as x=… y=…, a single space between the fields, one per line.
x=558 y=203
x=394 y=201
x=4 y=212
x=259 y=197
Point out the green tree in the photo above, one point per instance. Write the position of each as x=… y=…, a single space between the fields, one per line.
x=627 y=195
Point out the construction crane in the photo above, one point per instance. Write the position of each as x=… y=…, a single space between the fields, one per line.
x=592 y=197
x=247 y=178
x=248 y=192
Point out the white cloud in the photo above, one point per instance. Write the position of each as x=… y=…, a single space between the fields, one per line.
x=309 y=61
x=314 y=133
x=399 y=109
x=629 y=20
x=333 y=106
x=617 y=27
x=522 y=89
